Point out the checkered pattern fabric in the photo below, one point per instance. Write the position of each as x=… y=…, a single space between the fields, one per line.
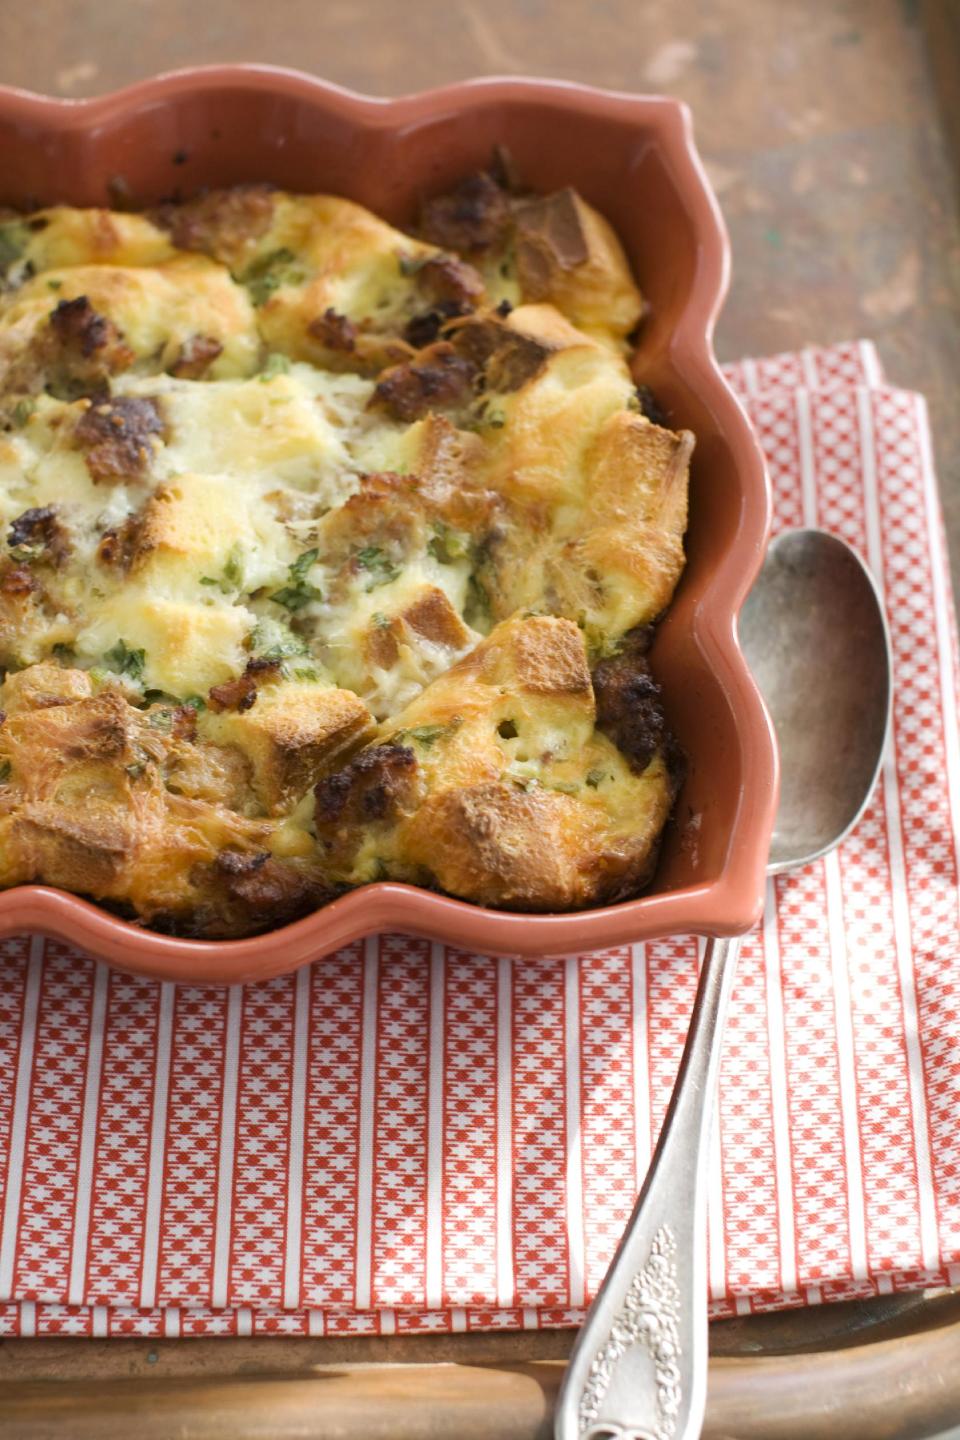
x=404 y=1137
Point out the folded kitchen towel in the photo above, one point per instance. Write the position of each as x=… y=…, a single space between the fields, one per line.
x=405 y=1137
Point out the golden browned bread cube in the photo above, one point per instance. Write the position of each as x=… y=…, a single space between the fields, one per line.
x=292 y=735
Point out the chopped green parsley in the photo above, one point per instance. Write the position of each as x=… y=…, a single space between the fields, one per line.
x=269 y=272
x=126 y=661
x=277 y=364
x=448 y=545
x=378 y=565
x=14 y=239
x=298 y=592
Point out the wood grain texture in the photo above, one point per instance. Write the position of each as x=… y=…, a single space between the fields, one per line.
x=471 y=1388
x=941 y=23
x=820 y=126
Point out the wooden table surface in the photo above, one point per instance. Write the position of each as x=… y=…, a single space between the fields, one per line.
x=823 y=134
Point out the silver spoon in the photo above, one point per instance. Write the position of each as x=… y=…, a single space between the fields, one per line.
x=814 y=633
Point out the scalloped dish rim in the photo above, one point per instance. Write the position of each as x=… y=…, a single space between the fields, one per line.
x=729 y=904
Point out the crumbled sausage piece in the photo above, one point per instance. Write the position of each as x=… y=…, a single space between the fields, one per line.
x=117 y=436
x=120 y=544
x=76 y=323
x=73 y=352
x=334 y=331
x=221 y=223
x=453 y=288
x=241 y=693
x=447 y=277
x=438 y=379
x=265 y=887
x=238 y=862
x=197 y=354
x=423 y=329
x=472 y=216
x=41 y=527
x=628 y=701
x=237 y=694
x=371 y=787
x=76 y=352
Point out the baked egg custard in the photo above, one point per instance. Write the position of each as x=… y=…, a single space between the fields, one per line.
x=330 y=554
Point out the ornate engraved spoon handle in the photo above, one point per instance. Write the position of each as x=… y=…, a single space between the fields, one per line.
x=638 y=1370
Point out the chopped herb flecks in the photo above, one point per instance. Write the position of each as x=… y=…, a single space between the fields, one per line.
x=447 y=545
x=429 y=734
x=298 y=592
x=231 y=578
x=378 y=565
x=126 y=661
x=271 y=639
x=14 y=239
x=270 y=272
x=277 y=364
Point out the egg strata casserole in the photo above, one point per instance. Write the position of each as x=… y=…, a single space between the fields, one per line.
x=329 y=554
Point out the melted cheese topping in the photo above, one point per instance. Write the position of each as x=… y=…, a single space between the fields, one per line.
x=266 y=459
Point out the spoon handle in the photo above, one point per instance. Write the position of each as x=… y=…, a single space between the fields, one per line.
x=638 y=1370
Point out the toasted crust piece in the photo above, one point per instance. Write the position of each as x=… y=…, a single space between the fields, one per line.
x=126 y=805
x=568 y=254
x=292 y=735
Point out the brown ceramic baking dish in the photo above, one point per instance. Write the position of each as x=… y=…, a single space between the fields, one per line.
x=633 y=158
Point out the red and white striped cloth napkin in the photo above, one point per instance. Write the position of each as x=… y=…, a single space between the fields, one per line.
x=408 y=1138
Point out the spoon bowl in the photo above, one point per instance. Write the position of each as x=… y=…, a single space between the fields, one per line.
x=815 y=636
